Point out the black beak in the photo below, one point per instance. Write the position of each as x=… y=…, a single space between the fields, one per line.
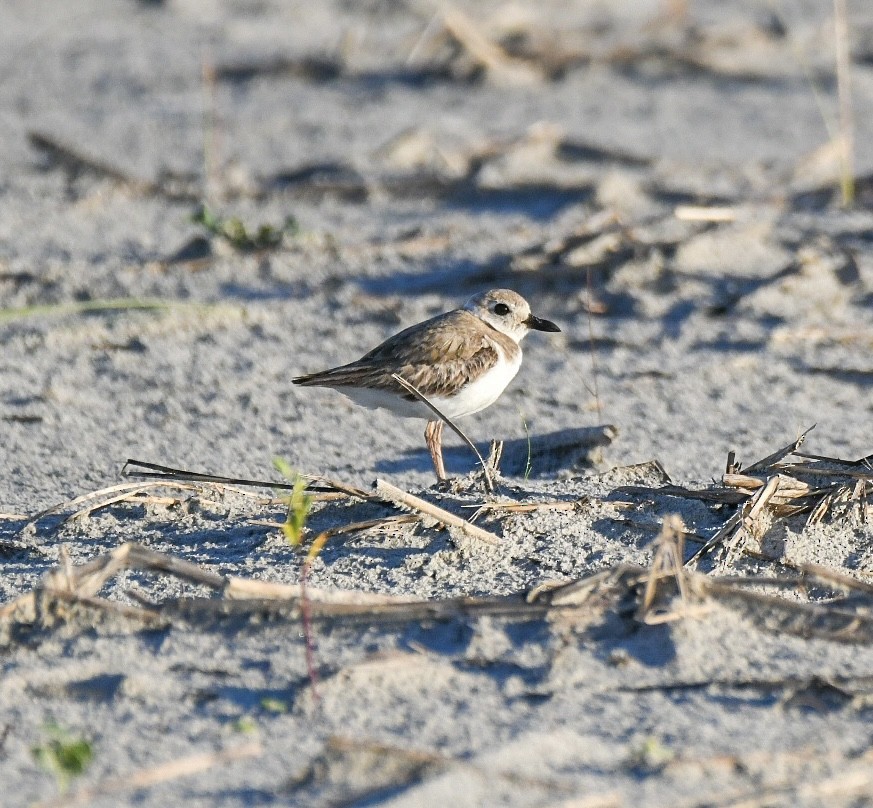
x=538 y=324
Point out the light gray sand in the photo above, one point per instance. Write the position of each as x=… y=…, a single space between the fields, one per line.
x=415 y=187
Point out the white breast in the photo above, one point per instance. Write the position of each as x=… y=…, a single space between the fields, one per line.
x=481 y=393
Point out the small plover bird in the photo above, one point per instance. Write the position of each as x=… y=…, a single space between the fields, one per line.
x=460 y=361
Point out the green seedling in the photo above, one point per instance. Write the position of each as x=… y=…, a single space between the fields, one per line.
x=274 y=705
x=245 y=725
x=65 y=756
x=234 y=231
x=299 y=504
x=650 y=755
x=298 y=501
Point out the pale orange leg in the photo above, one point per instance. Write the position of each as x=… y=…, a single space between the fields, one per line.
x=433 y=437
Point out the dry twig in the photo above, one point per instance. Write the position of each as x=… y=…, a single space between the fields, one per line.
x=384 y=490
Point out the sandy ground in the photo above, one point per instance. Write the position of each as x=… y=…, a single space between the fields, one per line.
x=560 y=150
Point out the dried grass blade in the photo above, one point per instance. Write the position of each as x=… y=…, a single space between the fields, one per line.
x=767 y=463
x=820 y=510
x=159 y=472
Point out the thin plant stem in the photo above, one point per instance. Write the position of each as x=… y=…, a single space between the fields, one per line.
x=309 y=640
x=411 y=388
x=594 y=372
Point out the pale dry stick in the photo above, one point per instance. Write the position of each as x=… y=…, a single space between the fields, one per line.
x=88 y=578
x=699 y=213
x=788 y=485
x=154 y=775
x=762 y=498
x=154 y=499
x=721 y=534
x=491 y=56
x=804 y=619
x=856 y=781
x=411 y=388
x=338 y=486
x=495 y=453
x=608 y=800
x=78 y=159
x=722 y=496
x=253 y=589
x=528 y=507
x=418 y=760
x=99 y=506
x=844 y=96
x=821 y=509
x=389 y=492
x=65 y=569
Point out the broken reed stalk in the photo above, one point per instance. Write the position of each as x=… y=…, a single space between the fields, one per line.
x=79 y=583
x=413 y=390
x=784 y=488
x=667 y=562
x=384 y=490
x=847 y=621
x=743 y=518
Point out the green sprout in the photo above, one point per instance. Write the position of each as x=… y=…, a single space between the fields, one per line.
x=650 y=755
x=245 y=725
x=63 y=755
x=234 y=231
x=271 y=704
x=298 y=501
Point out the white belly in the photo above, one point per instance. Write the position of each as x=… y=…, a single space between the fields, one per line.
x=474 y=397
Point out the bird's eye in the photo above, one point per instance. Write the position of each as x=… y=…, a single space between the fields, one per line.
x=501 y=309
